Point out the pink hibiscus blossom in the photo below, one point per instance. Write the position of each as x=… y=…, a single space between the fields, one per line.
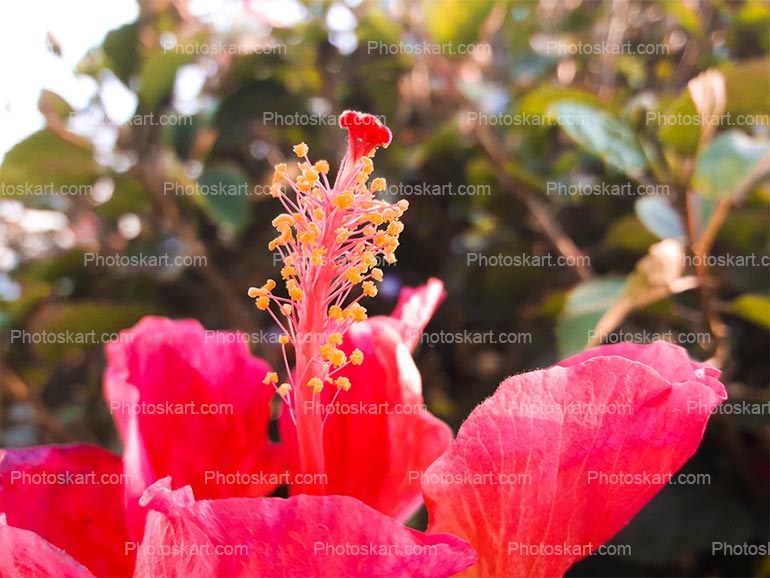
x=189 y=498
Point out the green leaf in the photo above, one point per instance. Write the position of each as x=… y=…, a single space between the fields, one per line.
x=674 y=133
x=456 y=21
x=728 y=164
x=537 y=101
x=52 y=102
x=120 y=48
x=746 y=85
x=660 y=217
x=158 y=75
x=45 y=160
x=585 y=305
x=224 y=195
x=628 y=234
x=753 y=307
x=601 y=134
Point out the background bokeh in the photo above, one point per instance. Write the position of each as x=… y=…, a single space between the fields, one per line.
x=479 y=96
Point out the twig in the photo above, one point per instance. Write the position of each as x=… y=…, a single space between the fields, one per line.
x=522 y=189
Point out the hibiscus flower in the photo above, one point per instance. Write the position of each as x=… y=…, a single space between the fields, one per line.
x=535 y=480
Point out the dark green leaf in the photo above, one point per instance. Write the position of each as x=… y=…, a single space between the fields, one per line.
x=224 y=195
x=120 y=48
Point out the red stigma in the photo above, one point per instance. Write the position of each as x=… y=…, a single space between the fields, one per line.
x=365 y=133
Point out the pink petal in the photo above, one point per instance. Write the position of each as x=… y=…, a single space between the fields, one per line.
x=181 y=370
x=24 y=554
x=71 y=497
x=379 y=437
x=415 y=308
x=298 y=536
x=556 y=428
x=669 y=360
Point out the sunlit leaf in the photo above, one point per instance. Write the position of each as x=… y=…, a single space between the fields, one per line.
x=660 y=217
x=754 y=308
x=45 y=160
x=728 y=164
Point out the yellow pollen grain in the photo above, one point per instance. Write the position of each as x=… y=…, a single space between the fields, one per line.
x=357 y=357
x=286 y=309
x=342 y=234
x=288 y=272
x=318 y=255
x=283 y=389
x=338 y=358
x=321 y=167
x=343 y=200
x=378 y=184
x=296 y=293
x=316 y=384
x=306 y=237
x=369 y=288
x=376 y=274
x=368 y=259
x=270 y=377
x=300 y=150
x=342 y=383
x=356 y=312
x=326 y=351
x=283 y=339
x=353 y=275
x=335 y=312
x=283 y=219
x=395 y=228
x=263 y=302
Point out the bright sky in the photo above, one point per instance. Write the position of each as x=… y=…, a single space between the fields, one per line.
x=27 y=66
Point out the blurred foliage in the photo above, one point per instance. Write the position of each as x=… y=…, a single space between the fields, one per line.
x=526 y=61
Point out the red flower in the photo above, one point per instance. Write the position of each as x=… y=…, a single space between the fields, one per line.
x=551 y=444
x=528 y=482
